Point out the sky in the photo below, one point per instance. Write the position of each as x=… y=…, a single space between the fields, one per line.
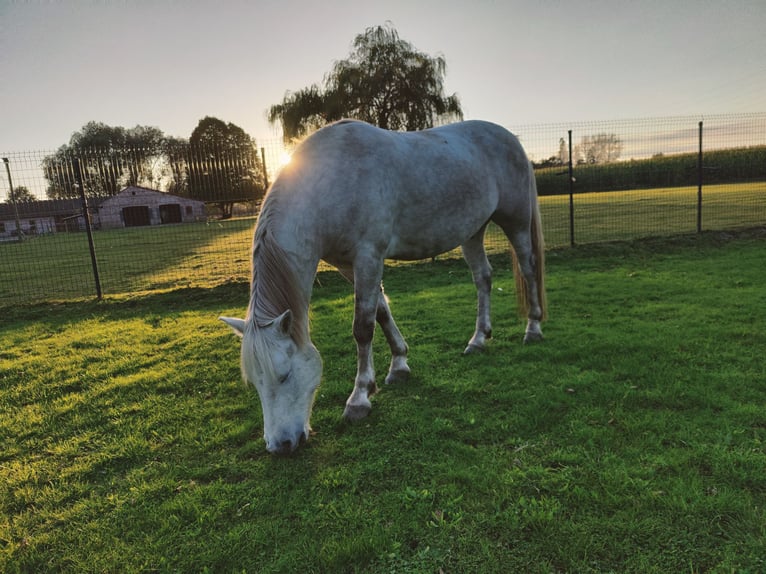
x=169 y=63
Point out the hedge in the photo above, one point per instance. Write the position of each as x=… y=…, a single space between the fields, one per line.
x=737 y=165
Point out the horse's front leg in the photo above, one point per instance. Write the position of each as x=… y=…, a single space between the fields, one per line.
x=366 y=299
x=399 y=371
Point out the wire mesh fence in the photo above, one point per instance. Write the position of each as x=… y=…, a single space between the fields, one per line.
x=177 y=217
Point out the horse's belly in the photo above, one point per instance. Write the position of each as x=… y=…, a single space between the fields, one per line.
x=409 y=252
x=430 y=240
x=428 y=224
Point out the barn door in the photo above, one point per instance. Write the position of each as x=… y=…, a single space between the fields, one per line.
x=136 y=215
x=170 y=213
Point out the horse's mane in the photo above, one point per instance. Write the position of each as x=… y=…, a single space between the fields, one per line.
x=274 y=285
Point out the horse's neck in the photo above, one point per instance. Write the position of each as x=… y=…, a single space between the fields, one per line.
x=283 y=276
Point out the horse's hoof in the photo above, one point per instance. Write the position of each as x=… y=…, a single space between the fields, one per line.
x=398 y=376
x=533 y=337
x=356 y=412
x=474 y=350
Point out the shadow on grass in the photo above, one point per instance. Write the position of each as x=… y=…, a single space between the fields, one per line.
x=398 y=277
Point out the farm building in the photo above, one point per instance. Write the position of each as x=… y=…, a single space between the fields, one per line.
x=135 y=206
x=41 y=217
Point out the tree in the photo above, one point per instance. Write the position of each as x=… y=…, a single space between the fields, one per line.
x=110 y=157
x=601 y=148
x=20 y=194
x=561 y=158
x=385 y=81
x=223 y=166
x=552 y=161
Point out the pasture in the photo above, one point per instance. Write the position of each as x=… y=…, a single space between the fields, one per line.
x=58 y=267
x=631 y=440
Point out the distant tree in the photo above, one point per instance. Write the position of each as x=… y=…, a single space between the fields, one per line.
x=384 y=81
x=111 y=157
x=176 y=152
x=601 y=148
x=21 y=195
x=552 y=161
x=223 y=165
x=561 y=158
x=98 y=135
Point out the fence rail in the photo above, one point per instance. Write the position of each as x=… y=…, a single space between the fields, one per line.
x=172 y=218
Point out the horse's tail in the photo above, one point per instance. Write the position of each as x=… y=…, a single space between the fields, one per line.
x=538 y=254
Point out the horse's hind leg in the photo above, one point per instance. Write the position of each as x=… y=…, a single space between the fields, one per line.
x=399 y=371
x=526 y=266
x=476 y=257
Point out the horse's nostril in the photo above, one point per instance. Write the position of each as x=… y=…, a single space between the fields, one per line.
x=288 y=445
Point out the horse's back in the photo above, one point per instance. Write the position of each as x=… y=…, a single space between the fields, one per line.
x=407 y=195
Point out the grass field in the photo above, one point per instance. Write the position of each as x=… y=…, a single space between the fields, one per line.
x=611 y=216
x=631 y=440
x=57 y=267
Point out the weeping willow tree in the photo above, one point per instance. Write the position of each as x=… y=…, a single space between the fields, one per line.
x=385 y=81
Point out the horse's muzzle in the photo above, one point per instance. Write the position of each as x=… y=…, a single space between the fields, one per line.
x=287 y=446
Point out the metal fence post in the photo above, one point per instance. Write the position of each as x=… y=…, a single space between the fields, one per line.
x=19 y=232
x=571 y=194
x=265 y=170
x=88 y=229
x=699 y=182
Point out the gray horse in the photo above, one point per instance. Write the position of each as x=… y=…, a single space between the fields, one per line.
x=354 y=195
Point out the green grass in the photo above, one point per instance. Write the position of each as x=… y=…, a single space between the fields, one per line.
x=610 y=216
x=631 y=440
x=57 y=267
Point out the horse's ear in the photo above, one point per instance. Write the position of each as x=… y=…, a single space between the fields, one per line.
x=285 y=323
x=237 y=325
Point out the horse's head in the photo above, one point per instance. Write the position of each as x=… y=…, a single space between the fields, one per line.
x=286 y=376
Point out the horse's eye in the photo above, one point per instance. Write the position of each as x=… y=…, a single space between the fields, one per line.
x=283 y=378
